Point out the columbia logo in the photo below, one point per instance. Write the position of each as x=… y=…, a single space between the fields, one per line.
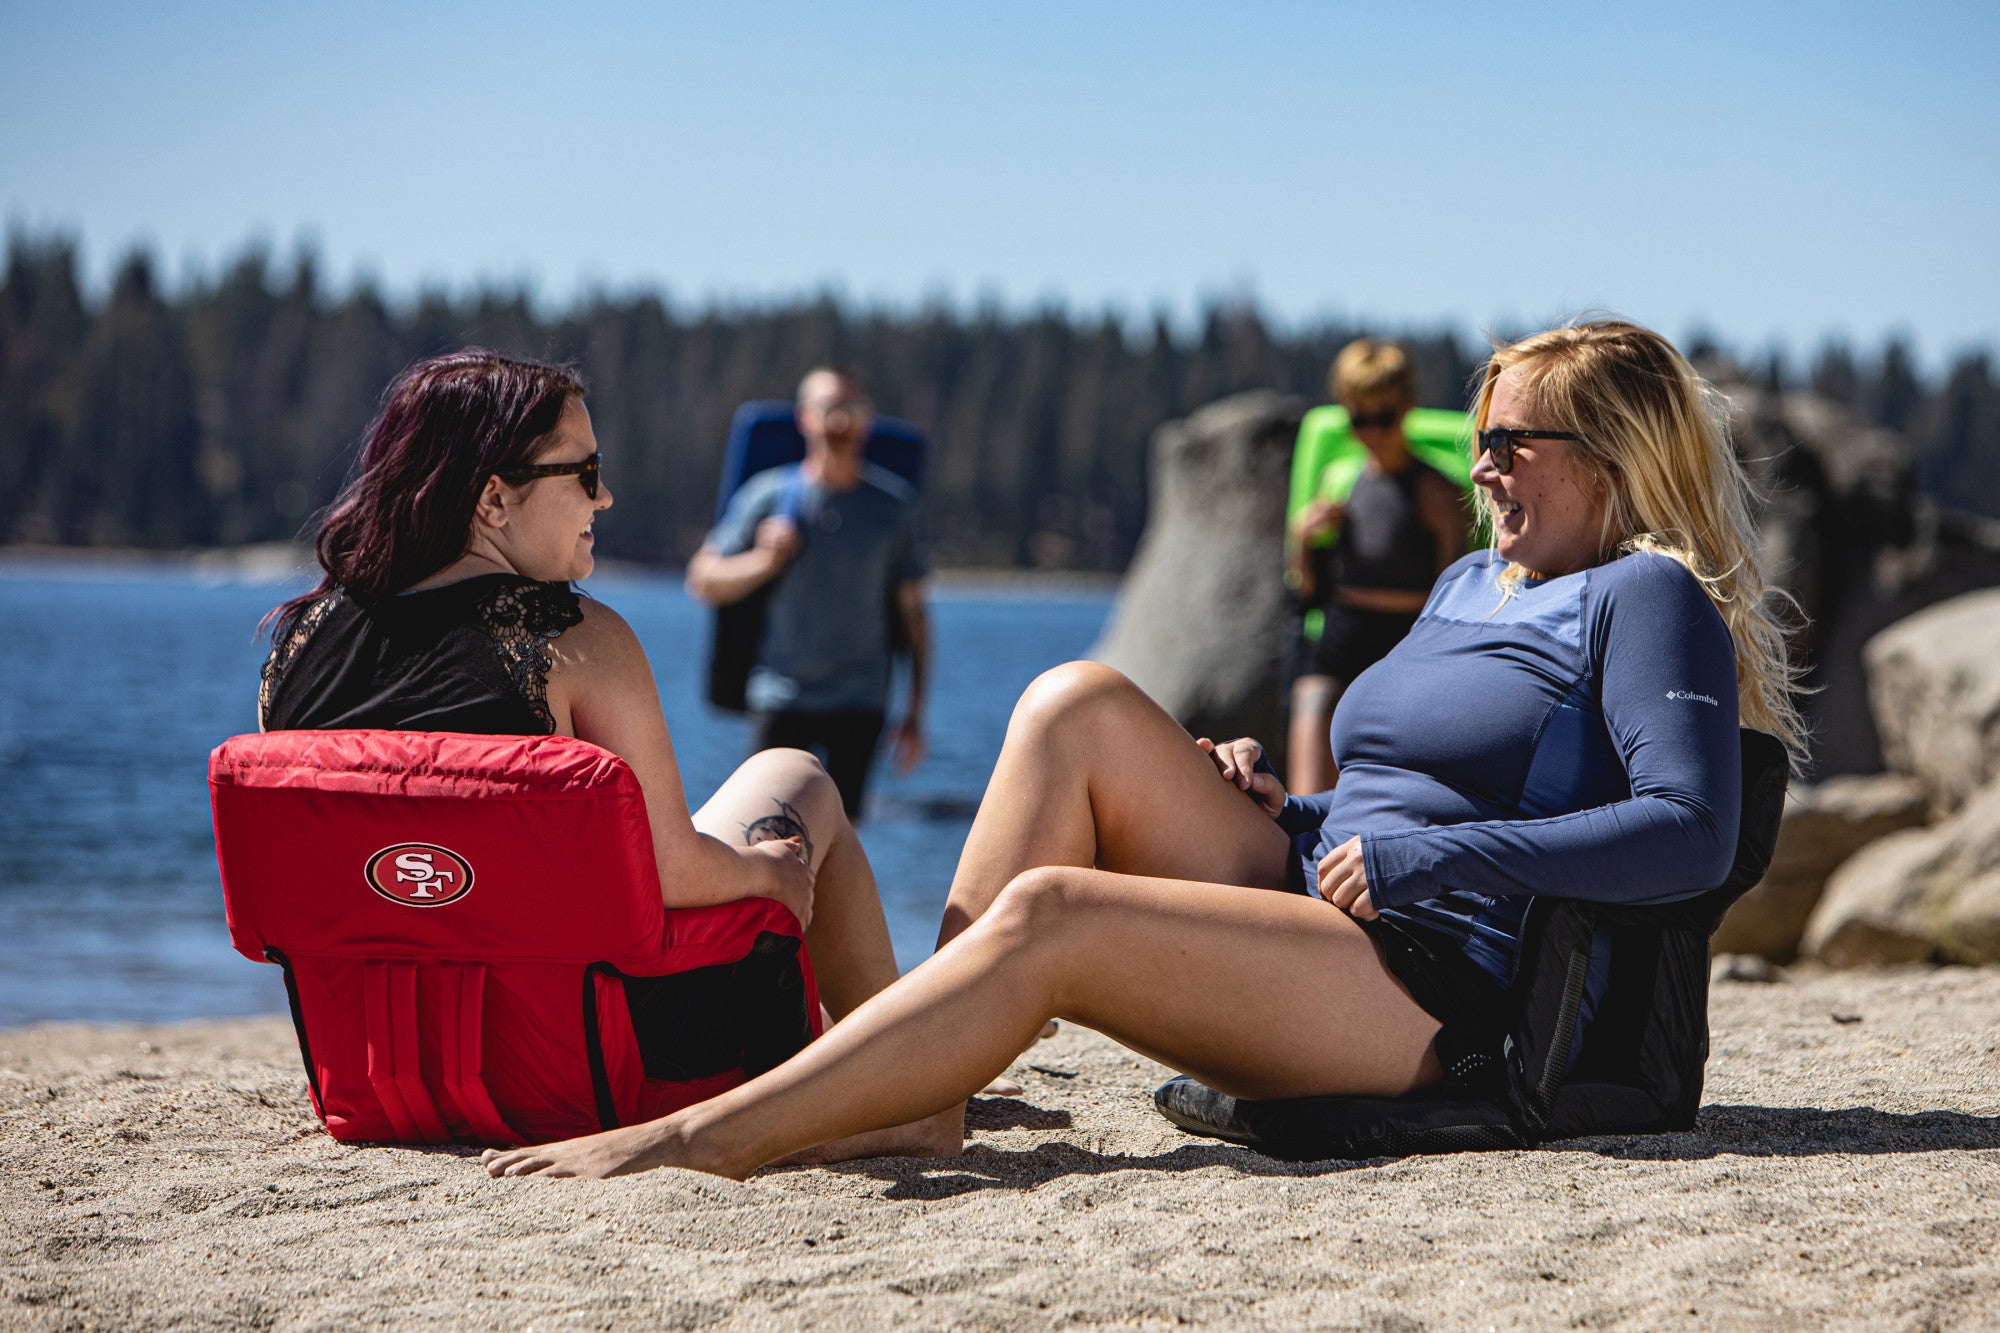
x=1692 y=697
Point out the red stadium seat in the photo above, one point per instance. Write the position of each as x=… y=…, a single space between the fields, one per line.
x=474 y=943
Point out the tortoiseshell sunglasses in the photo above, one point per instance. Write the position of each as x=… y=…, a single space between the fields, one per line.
x=585 y=472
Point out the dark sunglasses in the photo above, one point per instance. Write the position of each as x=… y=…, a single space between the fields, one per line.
x=586 y=472
x=1502 y=441
x=1375 y=420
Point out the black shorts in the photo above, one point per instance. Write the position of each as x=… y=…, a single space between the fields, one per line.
x=1351 y=641
x=1471 y=1007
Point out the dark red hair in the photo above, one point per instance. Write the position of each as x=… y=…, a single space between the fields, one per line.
x=446 y=425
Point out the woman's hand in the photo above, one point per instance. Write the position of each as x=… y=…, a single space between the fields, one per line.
x=1237 y=762
x=1343 y=880
x=779 y=869
x=1316 y=519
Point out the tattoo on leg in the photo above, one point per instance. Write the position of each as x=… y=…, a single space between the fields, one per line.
x=787 y=823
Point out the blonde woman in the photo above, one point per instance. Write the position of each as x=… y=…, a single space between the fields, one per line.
x=1400 y=526
x=1561 y=720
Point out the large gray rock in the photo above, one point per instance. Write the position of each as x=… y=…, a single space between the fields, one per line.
x=1823 y=826
x=1851 y=537
x=1200 y=622
x=1931 y=893
x=1934 y=684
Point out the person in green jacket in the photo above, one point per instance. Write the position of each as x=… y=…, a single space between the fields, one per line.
x=1370 y=529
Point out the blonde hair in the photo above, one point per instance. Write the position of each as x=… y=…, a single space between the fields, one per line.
x=1656 y=435
x=1367 y=371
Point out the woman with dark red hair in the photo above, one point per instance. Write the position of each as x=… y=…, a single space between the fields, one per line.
x=445 y=605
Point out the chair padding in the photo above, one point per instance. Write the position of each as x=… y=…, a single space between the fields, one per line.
x=473 y=938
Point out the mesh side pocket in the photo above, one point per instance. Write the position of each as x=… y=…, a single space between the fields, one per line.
x=749 y=1015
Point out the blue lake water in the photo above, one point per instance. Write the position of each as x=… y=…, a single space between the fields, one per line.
x=122 y=679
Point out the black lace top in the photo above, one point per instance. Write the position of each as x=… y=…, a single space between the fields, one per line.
x=470 y=656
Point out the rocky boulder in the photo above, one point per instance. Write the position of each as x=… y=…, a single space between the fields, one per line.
x=1201 y=622
x=1922 y=894
x=1849 y=534
x=1823 y=826
x=1934 y=685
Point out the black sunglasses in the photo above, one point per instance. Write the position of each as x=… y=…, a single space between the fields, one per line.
x=1502 y=441
x=1374 y=420
x=586 y=472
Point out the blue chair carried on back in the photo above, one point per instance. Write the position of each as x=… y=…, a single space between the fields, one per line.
x=762 y=435
x=765 y=434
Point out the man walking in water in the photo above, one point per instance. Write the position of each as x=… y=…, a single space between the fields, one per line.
x=839 y=543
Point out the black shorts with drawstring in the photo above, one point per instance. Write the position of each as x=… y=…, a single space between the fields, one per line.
x=1470 y=1006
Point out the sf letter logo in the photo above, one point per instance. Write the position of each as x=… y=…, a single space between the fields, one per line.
x=419 y=874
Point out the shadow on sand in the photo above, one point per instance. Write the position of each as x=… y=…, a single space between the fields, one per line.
x=1748 y=1131
x=1802 y=1131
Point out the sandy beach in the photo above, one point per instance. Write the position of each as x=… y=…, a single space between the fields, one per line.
x=1845 y=1174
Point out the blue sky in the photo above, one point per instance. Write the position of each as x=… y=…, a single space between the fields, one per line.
x=1777 y=173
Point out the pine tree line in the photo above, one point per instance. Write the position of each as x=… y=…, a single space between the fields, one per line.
x=229 y=412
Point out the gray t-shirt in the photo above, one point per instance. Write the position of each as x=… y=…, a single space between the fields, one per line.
x=826 y=634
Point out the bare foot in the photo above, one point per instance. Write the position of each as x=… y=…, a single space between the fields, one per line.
x=618 y=1152
x=615 y=1152
x=1049 y=1029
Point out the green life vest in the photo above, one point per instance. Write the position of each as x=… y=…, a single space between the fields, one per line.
x=1329 y=459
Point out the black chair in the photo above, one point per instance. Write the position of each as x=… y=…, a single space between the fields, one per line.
x=1637 y=1066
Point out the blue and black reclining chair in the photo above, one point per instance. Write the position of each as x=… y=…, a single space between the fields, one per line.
x=1636 y=1068
x=765 y=434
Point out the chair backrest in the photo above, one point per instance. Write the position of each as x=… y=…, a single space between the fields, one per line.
x=404 y=843
x=1638 y=1064
x=764 y=434
x=474 y=942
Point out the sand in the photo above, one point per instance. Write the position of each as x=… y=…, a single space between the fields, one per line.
x=1845 y=1174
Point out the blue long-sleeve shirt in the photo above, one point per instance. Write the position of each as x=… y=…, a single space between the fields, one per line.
x=1579 y=739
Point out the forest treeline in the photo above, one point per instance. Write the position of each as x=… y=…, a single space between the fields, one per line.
x=228 y=411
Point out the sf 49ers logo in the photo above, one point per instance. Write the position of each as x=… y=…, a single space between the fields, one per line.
x=419 y=874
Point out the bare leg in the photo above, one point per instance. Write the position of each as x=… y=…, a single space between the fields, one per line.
x=1311 y=764
x=1094 y=773
x=1257 y=994
x=779 y=793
